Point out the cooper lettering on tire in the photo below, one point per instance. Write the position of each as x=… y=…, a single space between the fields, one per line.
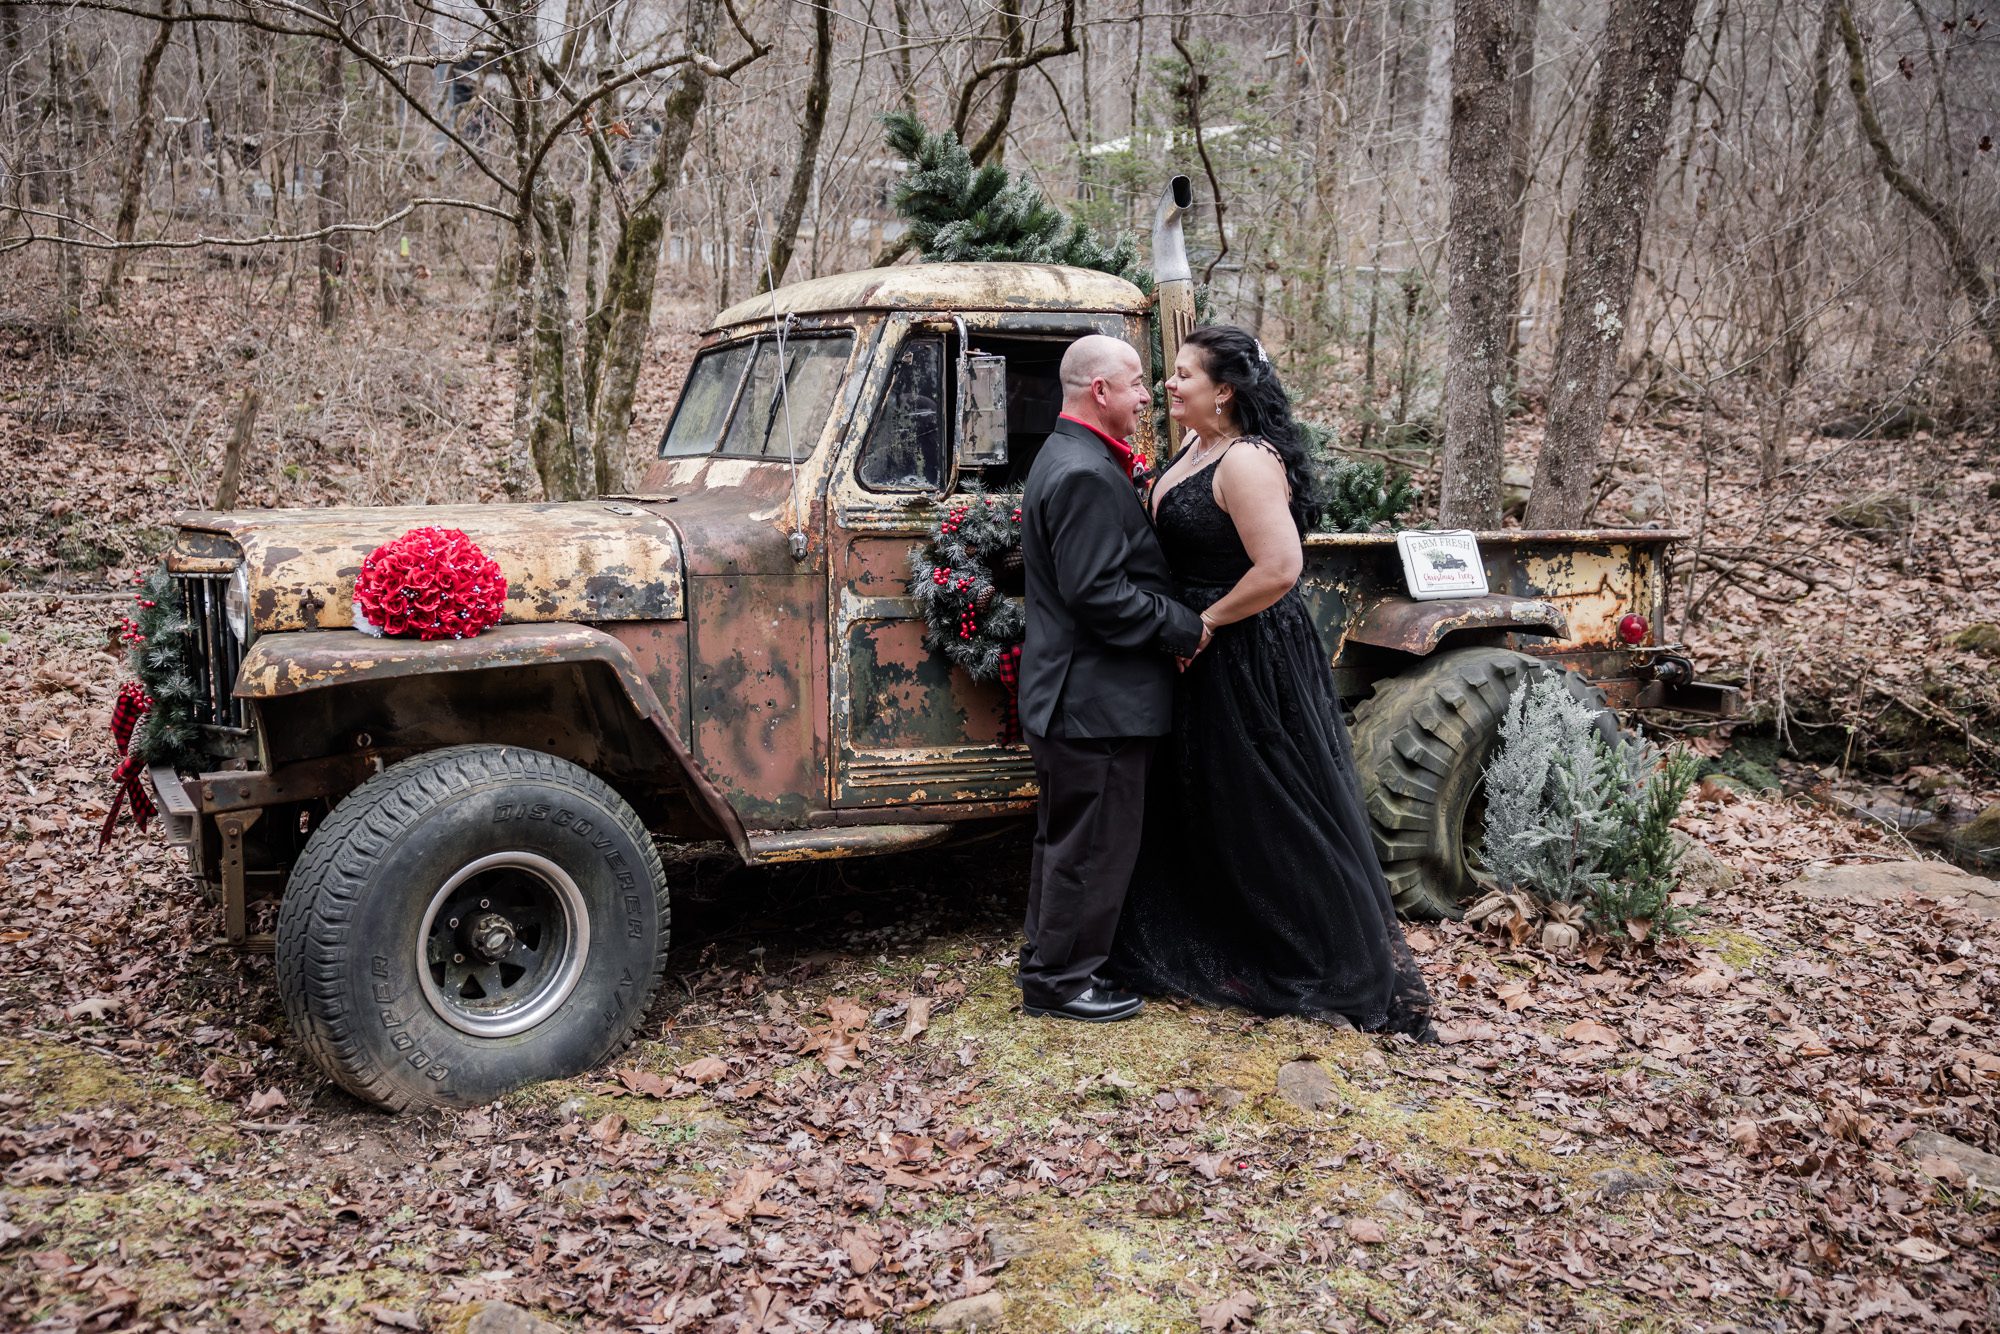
x=470 y=921
x=1422 y=741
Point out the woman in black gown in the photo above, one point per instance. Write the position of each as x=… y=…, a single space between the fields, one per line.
x=1257 y=883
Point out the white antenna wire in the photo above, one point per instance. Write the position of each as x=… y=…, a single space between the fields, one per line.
x=796 y=539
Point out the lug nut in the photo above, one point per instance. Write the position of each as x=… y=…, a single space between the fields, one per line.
x=458 y=958
x=486 y=903
x=454 y=921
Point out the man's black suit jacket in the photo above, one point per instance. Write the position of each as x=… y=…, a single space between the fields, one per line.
x=1102 y=630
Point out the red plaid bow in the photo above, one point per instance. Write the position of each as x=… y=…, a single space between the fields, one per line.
x=129 y=777
x=1010 y=678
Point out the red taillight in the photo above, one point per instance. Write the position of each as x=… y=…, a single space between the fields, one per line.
x=1633 y=628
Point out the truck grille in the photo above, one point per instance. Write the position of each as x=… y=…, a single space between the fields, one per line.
x=214 y=656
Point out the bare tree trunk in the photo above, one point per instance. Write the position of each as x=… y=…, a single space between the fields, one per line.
x=134 y=184
x=819 y=92
x=1482 y=107
x=1958 y=248
x=1644 y=41
x=1433 y=135
x=332 y=191
x=1788 y=283
x=635 y=265
x=231 y=483
x=906 y=83
x=1527 y=16
x=13 y=91
x=69 y=256
x=1014 y=42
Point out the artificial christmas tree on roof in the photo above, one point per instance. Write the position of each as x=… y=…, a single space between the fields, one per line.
x=957 y=211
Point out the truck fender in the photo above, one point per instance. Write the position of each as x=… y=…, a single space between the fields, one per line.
x=292 y=663
x=1419 y=628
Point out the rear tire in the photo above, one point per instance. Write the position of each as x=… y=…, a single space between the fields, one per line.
x=469 y=921
x=1422 y=742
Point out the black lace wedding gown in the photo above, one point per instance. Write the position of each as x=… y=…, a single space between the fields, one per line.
x=1257 y=884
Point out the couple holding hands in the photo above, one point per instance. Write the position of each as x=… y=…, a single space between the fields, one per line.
x=1200 y=831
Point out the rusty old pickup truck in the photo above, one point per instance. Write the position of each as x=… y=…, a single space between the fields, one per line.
x=451 y=845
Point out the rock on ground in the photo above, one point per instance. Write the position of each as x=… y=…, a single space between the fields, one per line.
x=981 y=1312
x=1888 y=882
x=1304 y=1084
x=495 y=1318
x=1980 y=1168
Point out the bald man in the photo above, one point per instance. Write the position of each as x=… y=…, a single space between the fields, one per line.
x=1096 y=683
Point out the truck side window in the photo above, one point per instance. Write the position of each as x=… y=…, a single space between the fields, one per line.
x=907 y=446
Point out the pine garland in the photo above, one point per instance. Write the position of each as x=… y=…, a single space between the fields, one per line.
x=161 y=638
x=954 y=579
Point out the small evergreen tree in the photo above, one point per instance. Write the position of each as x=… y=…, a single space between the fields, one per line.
x=1578 y=820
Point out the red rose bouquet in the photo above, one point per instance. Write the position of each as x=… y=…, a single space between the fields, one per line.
x=432 y=583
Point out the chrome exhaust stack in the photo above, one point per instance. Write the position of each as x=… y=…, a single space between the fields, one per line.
x=1173 y=281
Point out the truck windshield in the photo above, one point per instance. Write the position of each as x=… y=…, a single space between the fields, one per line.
x=732 y=400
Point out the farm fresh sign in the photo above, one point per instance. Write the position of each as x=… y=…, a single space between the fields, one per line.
x=1441 y=565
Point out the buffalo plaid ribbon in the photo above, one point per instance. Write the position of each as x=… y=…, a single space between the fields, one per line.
x=129 y=778
x=1010 y=679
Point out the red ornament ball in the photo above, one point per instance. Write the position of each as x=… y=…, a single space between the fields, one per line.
x=430 y=583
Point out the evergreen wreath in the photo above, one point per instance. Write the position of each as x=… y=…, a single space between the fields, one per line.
x=161 y=637
x=956 y=580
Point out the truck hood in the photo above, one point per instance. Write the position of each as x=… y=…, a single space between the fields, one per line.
x=590 y=560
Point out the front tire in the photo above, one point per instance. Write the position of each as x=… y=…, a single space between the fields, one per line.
x=1422 y=742
x=469 y=921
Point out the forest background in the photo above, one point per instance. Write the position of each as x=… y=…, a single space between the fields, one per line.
x=1725 y=266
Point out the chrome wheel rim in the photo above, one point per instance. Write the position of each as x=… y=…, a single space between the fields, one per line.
x=502 y=944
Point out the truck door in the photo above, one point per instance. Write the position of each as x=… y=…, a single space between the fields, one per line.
x=908 y=728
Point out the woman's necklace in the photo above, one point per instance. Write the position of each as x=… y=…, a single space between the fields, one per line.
x=1201 y=453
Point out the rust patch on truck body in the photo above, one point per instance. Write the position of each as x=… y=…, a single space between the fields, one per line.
x=582 y=561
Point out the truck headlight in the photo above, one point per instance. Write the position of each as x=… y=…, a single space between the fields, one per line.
x=236 y=604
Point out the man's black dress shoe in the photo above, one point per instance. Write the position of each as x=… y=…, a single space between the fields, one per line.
x=1093 y=1005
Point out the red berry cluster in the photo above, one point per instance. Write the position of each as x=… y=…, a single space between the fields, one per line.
x=128 y=631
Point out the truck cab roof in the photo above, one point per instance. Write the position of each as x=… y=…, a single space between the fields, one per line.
x=943 y=287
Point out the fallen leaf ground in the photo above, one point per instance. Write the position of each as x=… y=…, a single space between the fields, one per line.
x=1707 y=1135
x=835 y=1119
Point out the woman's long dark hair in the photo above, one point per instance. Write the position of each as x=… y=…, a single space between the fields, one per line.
x=1261 y=407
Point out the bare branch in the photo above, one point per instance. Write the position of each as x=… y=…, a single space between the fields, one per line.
x=242 y=242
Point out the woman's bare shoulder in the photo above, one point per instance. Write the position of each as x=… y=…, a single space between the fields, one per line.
x=1253 y=459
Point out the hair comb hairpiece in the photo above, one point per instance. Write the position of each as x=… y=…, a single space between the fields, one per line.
x=1262 y=355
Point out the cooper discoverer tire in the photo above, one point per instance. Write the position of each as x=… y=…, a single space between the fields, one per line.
x=469 y=921
x=1422 y=741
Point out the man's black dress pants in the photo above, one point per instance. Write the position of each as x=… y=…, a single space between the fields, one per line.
x=1087 y=828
